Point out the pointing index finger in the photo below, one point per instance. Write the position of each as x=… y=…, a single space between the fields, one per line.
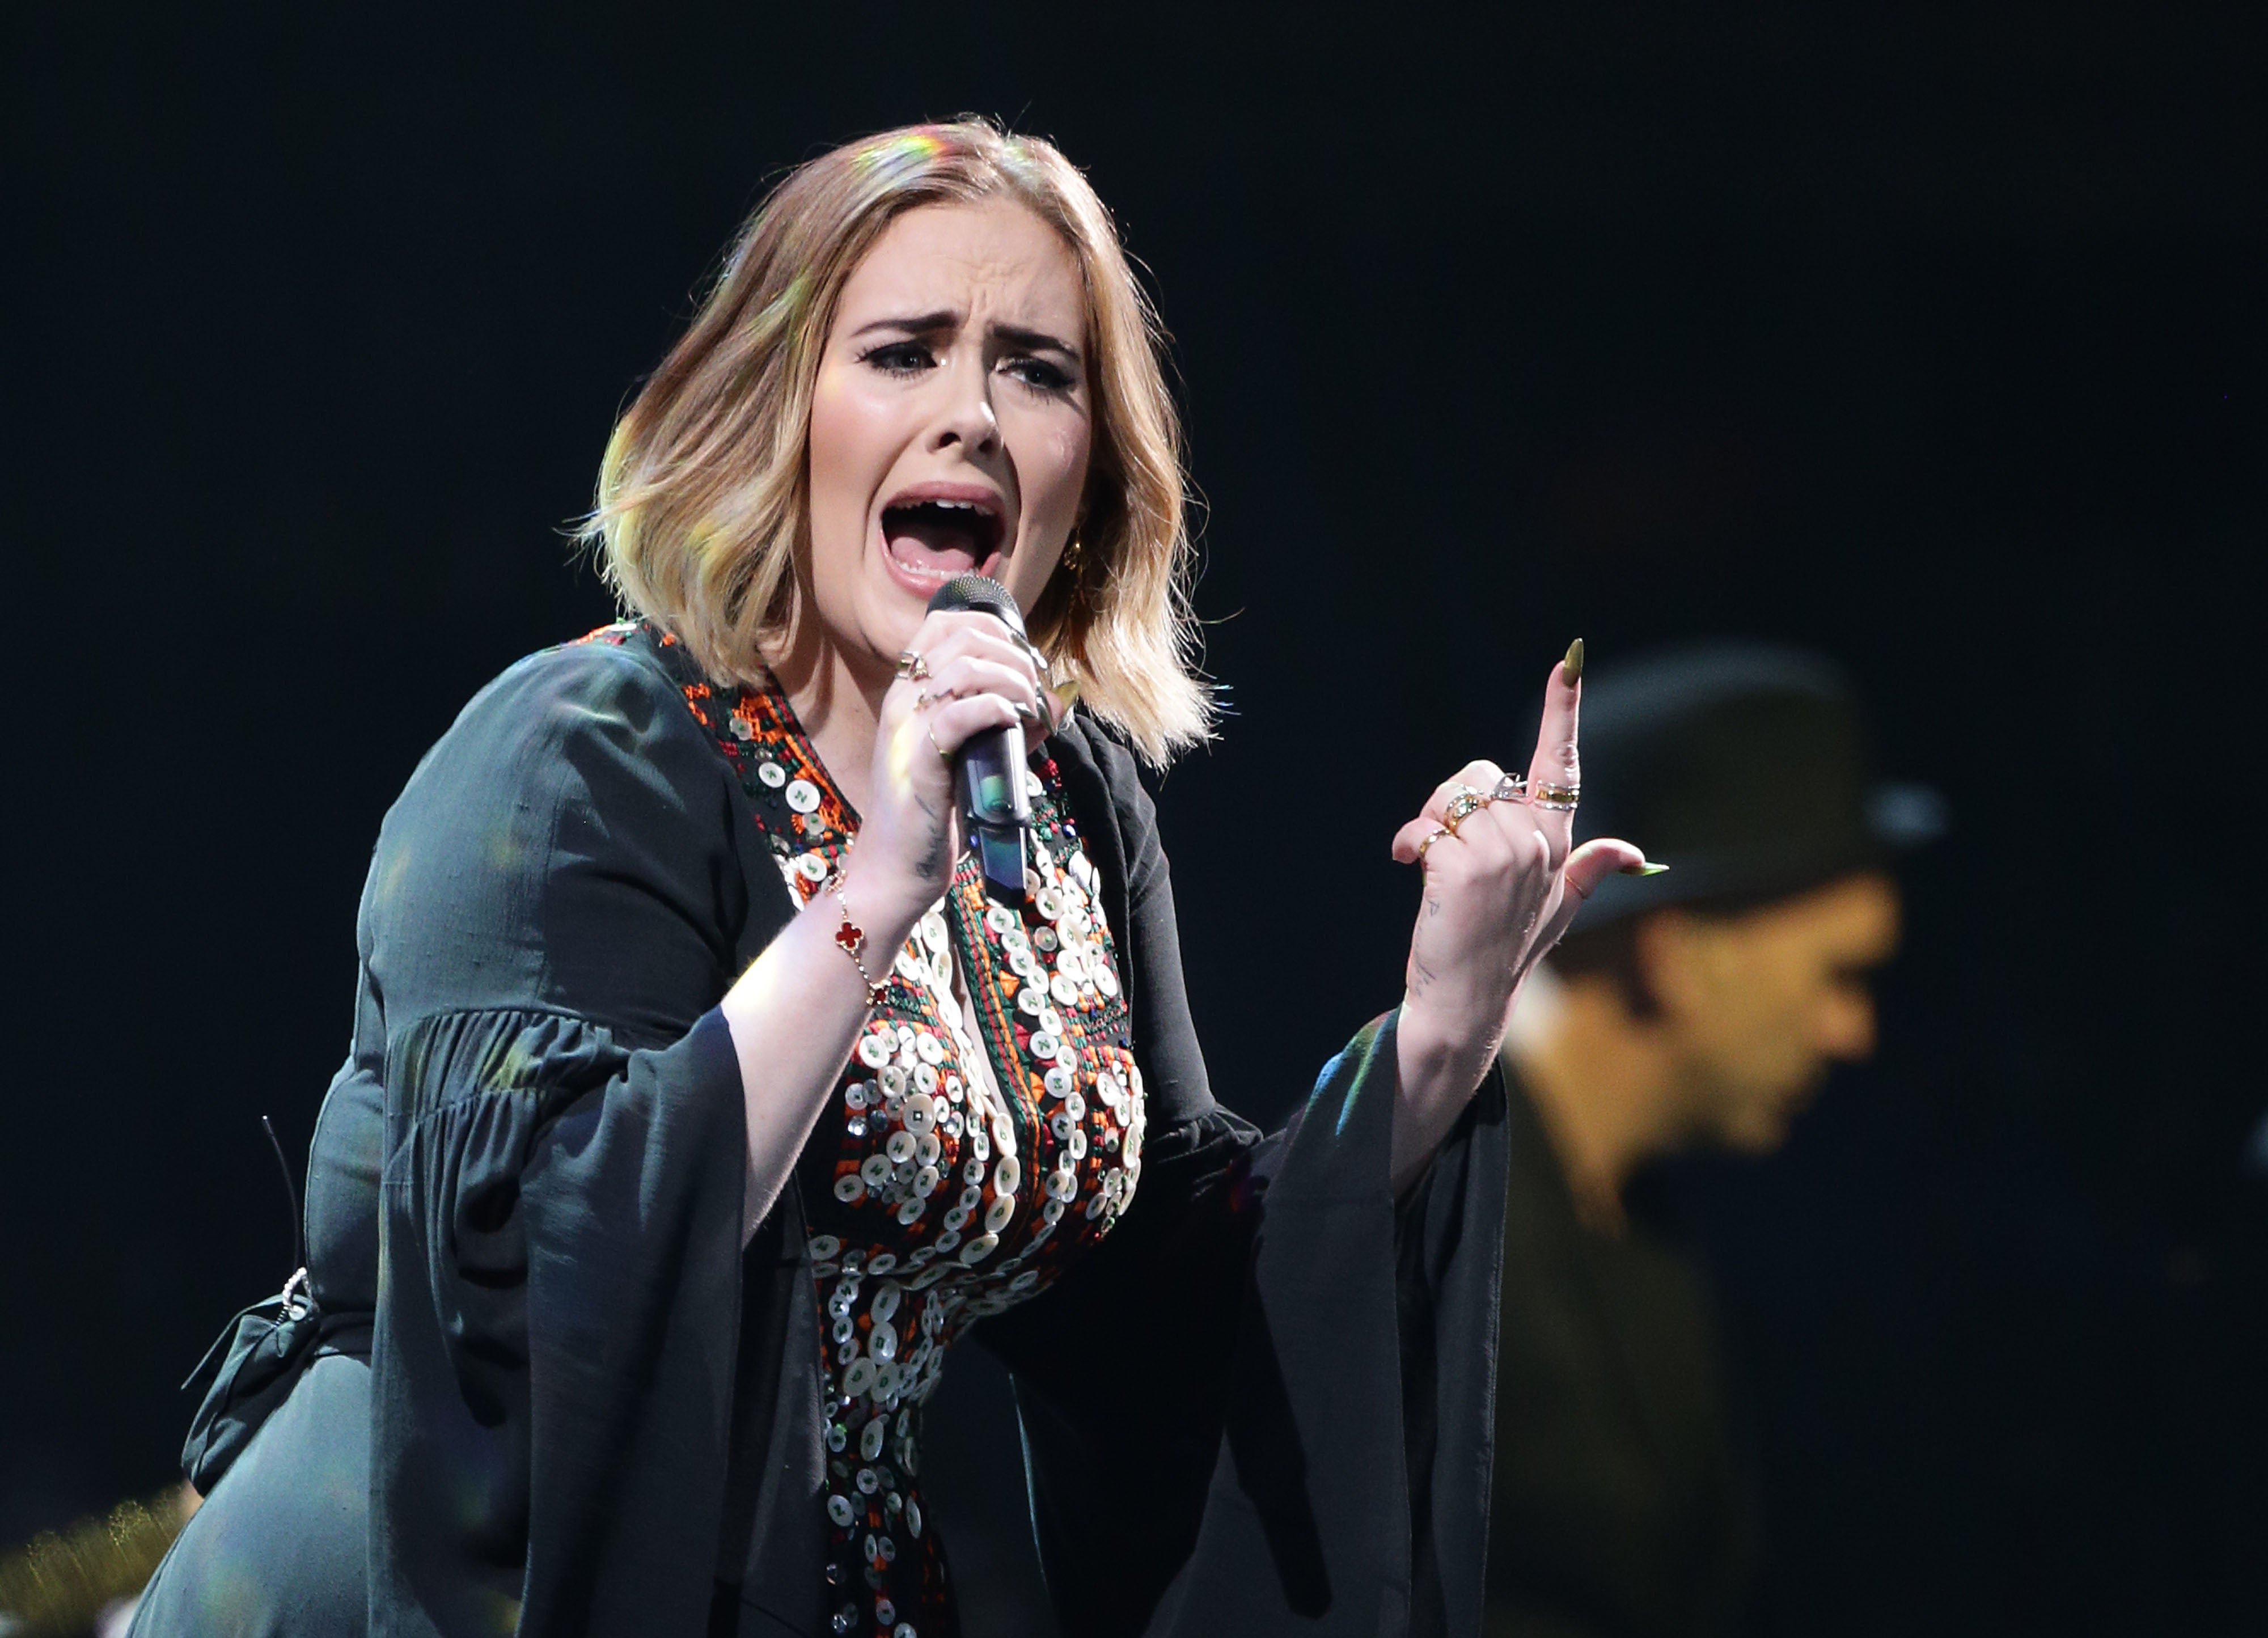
x=1557 y=761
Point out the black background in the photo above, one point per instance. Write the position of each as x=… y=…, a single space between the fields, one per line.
x=1928 y=336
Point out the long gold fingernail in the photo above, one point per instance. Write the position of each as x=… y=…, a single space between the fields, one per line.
x=1571 y=667
x=1648 y=868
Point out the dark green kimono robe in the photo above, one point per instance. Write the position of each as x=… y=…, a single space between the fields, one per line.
x=542 y=1388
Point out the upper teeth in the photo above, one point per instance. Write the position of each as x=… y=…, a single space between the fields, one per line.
x=961 y=506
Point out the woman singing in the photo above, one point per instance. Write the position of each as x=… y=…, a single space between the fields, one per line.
x=700 y=1098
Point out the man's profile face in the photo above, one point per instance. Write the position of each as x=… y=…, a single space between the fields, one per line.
x=1761 y=1005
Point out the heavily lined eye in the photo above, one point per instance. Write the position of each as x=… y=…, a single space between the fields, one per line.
x=1040 y=375
x=900 y=358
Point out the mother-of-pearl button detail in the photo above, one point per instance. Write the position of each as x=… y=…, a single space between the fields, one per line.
x=931 y=1199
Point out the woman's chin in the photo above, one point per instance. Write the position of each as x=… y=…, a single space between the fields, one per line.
x=892 y=613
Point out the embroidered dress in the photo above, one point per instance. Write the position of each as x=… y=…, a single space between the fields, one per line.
x=932 y=1200
x=551 y=1383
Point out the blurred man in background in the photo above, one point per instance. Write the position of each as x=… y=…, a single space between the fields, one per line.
x=1702 y=1008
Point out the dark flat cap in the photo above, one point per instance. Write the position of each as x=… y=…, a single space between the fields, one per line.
x=1742 y=766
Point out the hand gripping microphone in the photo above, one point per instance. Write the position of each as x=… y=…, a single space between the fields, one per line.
x=996 y=809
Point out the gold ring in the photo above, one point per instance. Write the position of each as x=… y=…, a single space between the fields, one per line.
x=1559 y=799
x=1462 y=807
x=1430 y=840
x=933 y=745
x=912 y=666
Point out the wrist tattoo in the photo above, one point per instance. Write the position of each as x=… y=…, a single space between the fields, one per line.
x=938 y=853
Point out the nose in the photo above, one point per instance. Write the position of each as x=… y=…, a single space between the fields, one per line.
x=969 y=421
x=1846 y=1032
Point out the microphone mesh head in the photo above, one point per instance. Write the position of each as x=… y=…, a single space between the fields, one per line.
x=982 y=593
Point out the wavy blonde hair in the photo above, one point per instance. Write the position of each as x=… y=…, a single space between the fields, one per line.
x=703 y=495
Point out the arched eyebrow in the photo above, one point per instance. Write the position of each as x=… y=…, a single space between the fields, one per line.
x=924 y=324
x=946 y=318
x=1035 y=342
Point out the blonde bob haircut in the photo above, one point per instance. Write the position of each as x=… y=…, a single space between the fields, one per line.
x=703 y=496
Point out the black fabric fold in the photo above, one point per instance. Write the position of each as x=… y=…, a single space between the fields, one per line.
x=259 y=1356
x=589 y=1409
x=1220 y=1428
x=557 y=1266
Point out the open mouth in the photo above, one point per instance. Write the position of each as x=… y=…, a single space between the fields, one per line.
x=932 y=538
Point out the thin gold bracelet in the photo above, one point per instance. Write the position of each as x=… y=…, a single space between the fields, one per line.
x=851 y=938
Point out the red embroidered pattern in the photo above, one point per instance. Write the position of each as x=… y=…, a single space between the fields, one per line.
x=929 y=1201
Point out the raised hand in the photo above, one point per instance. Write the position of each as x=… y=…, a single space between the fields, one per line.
x=794 y=1014
x=964 y=674
x=1503 y=880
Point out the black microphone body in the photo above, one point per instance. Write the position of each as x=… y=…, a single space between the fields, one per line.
x=996 y=809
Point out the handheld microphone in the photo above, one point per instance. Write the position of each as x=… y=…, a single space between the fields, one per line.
x=996 y=809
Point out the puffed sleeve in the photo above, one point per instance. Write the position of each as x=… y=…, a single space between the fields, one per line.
x=557 y=904
x=1263 y=1403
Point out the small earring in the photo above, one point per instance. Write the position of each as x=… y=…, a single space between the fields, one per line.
x=1074 y=551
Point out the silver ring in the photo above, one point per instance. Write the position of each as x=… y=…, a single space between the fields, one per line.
x=1511 y=788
